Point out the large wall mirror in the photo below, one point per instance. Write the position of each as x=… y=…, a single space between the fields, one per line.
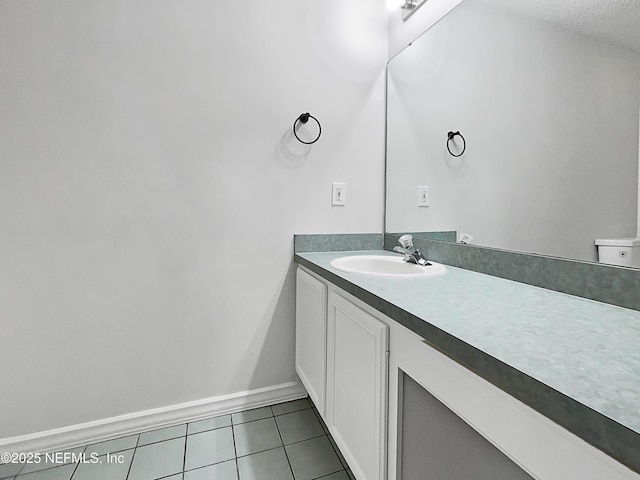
x=547 y=97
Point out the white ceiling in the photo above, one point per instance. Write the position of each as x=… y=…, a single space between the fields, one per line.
x=617 y=21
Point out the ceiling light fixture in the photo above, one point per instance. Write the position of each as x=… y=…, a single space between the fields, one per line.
x=408 y=7
x=394 y=5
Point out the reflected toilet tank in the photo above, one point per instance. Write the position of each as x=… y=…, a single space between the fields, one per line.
x=619 y=251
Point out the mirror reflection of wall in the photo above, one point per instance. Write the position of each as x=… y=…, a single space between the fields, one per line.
x=551 y=121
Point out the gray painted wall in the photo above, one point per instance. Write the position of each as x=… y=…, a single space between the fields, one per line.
x=150 y=190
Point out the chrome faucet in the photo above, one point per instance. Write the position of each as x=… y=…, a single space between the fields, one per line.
x=411 y=254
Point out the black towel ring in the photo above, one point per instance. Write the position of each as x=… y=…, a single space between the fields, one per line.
x=304 y=118
x=450 y=136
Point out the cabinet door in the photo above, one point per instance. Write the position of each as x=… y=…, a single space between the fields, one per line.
x=311 y=336
x=357 y=386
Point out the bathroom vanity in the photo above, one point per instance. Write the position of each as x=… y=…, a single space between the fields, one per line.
x=539 y=382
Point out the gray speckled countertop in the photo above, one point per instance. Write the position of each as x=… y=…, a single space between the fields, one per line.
x=575 y=360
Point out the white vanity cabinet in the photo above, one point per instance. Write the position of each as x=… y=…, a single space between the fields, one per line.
x=341 y=358
x=357 y=353
x=311 y=336
x=356 y=364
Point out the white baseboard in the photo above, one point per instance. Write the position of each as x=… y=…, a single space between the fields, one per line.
x=109 y=428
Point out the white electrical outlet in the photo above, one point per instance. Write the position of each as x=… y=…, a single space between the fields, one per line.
x=423 y=196
x=339 y=194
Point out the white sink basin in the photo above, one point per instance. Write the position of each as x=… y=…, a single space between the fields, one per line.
x=386 y=266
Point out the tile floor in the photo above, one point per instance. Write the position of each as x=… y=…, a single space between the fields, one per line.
x=287 y=441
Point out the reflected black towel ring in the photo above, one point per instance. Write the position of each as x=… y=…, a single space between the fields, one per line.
x=304 y=118
x=450 y=136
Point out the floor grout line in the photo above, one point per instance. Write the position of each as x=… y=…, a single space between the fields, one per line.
x=286 y=455
x=184 y=456
x=235 y=450
x=135 y=449
x=78 y=463
x=332 y=473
